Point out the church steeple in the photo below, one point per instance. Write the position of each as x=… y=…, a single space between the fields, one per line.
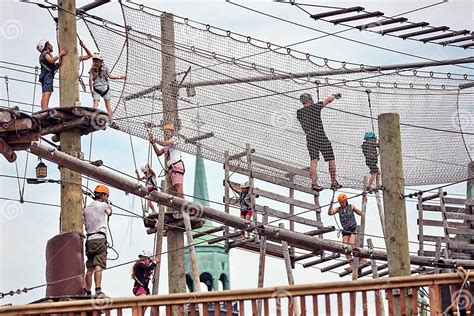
x=213 y=260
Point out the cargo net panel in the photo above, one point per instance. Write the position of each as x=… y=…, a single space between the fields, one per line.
x=247 y=91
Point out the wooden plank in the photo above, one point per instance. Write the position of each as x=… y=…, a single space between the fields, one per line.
x=208 y=231
x=434 y=223
x=281 y=166
x=456 y=201
x=352 y=303
x=266 y=308
x=303 y=305
x=192 y=309
x=315 y=305
x=414 y=300
x=261 y=260
x=340 y=304
x=365 y=307
x=229 y=308
x=217 y=309
x=378 y=303
x=159 y=244
x=295 y=218
x=336 y=265
x=241 y=308
x=437 y=254
x=320 y=231
x=449 y=209
x=305 y=256
x=455 y=243
x=421 y=223
x=251 y=182
x=403 y=305
x=226 y=194
x=381 y=211
x=289 y=270
x=454 y=255
x=444 y=219
x=284 y=199
x=291 y=209
x=327 y=299
x=389 y=293
x=322 y=259
x=205 y=309
x=278 y=305
x=435 y=300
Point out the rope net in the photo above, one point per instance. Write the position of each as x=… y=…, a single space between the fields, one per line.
x=244 y=90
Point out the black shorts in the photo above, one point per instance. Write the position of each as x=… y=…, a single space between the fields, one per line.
x=319 y=142
x=350 y=231
x=372 y=164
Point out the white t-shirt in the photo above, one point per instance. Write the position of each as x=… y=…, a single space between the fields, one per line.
x=95 y=219
x=172 y=154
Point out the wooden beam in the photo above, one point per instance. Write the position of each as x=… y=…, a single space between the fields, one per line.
x=295 y=218
x=20 y=139
x=295 y=239
x=226 y=194
x=289 y=270
x=421 y=221
x=5 y=115
x=322 y=259
x=261 y=260
x=359 y=268
x=336 y=12
x=434 y=223
x=17 y=125
x=284 y=199
x=361 y=232
x=320 y=231
x=336 y=265
x=208 y=231
x=160 y=226
x=449 y=209
x=7 y=151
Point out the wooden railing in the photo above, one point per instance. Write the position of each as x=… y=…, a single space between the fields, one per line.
x=366 y=297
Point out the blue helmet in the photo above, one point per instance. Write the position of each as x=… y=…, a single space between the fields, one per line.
x=369 y=135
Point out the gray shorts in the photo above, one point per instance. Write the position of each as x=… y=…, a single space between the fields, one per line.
x=96 y=96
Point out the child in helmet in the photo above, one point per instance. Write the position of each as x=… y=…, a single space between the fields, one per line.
x=245 y=201
x=346 y=217
x=369 y=149
x=99 y=76
x=142 y=271
x=150 y=182
x=49 y=66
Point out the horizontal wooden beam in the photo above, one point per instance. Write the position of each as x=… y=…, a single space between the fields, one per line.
x=305 y=256
x=208 y=231
x=17 y=125
x=433 y=223
x=360 y=267
x=286 y=200
x=454 y=255
x=368 y=272
x=322 y=260
x=294 y=239
x=321 y=231
x=454 y=243
x=450 y=200
x=295 y=218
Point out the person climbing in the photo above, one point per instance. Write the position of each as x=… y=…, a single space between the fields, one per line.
x=346 y=217
x=49 y=66
x=369 y=149
x=99 y=76
x=150 y=182
x=309 y=117
x=96 y=216
x=173 y=161
x=245 y=201
x=142 y=271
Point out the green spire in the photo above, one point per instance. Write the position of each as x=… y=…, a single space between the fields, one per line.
x=201 y=194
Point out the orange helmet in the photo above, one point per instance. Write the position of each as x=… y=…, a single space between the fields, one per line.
x=101 y=189
x=168 y=127
x=342 y=198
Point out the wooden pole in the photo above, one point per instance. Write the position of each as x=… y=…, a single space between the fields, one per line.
x=175 y=240
x=361 y=233
x=261 y=261
x=159 y=243
x=71 y=190
x=375 y=274
x=226 y=194
x=421 y=241
x=396 y=233
x=292 y=212
x=289 y=270
x=251 y=182
x=381 y=213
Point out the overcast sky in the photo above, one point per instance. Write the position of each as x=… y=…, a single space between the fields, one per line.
x=26 y=228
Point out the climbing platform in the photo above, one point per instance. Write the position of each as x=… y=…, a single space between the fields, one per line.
x=19 y=129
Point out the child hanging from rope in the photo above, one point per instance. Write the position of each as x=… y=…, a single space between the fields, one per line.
x=150 y=182
x=99 y=76
x=245 y=201
x=348 y=221
x=142 y=271
x=369 y=149
x=49 y=66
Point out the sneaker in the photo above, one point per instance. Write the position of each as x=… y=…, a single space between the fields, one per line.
x=335 y=186
x=100 y=295
x=381 y=187
x=368 y=189
x=317 y=187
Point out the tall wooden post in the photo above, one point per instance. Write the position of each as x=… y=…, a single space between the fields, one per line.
x=159 y=243
x=71 y=189
x=262 y=256
x=175 y=240
x=396 y=233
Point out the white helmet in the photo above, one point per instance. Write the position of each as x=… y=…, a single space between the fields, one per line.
x=146 y=168
x=41 y=45
x=97 y=56
x=145 y=253
x=246 y=185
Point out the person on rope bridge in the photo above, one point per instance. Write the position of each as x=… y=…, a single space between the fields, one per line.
x=49 y=67
x=173 y=160
x=99 y=76
x=150 y=182
x=96 y=217
x=309 y=117
x=369 y=149
x=245 y=201
x=142 y=271
x=347 y=218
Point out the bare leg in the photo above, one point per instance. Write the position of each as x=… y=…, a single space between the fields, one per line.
x=89 y=278
x=332 y=171
x=45 y=100
x=109 y=108
x=345 y=241
x=95 y=104
x=248 y=217
x=371 y=180
x=313 y=171
x=377 y=179
x=151 y=206
x=179 y=190
x=98 y=276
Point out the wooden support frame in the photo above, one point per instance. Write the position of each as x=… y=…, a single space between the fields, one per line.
x=322 y=259
x=159 y=244
x=421 y=241
x=261 y=260
x=226 y=194
x=361 y=233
